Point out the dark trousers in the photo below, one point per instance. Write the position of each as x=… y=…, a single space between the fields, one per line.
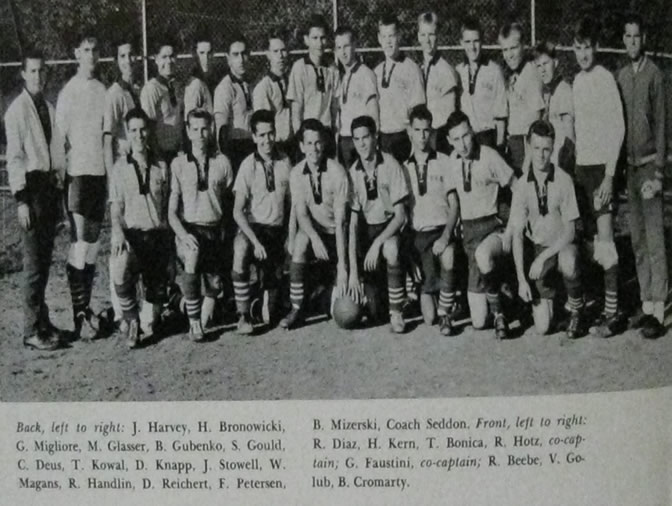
x=397 y=144
x=38 y=244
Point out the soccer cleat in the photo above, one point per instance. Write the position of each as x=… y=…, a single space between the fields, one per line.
x=397 y=323
x=652 y=328
x=638 y=320
x=446 y=325
x=40 y=343
x=573 y=329
x=292 y=320
x=609 y=326
x=244 y=326
x=133 y=334
x=196 y=331
x=501 y=327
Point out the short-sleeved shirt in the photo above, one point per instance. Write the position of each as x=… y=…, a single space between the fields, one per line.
x=429 y=186
x=483 y=94
x=400 y=88
x=304 y=87
x=163 y=107
x=559 y=103
x=322 y=191
x=120 y=98
x=271 y=94
x=201 y=201
x=233 y=101
x=526 y=100
x=80 y=113
x=375 y=194
x=197 y=95
x=142 y=192
x=541 y=209
x=265 y=187
x=477 y=180
x=440 y=79
x=357 y=88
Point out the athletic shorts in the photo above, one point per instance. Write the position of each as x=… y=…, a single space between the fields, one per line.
x=210 y=247
x=545 y=287
x=87 y=195
x=588 y=179
x=421 y=252
x=144 y=261
x=516 y=146
x=367 y=234
x=474 y=232
x=273 y=240
x=329 y=241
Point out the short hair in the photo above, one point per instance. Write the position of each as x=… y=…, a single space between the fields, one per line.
x=345 y=30
x=202 y=35
x=545 y=47
x=420 y=112
x=276 y=34
x=509 y=28
x=388 y=20
x=261 y=116
x=470 y=24
x=165 y=41
x=311 y=124
x=542 y=128
x=456 y=118
x=364 y=121
x=136 y=113
x=587 y=30
x=199 y=113
x=31 y=54
x=633 y=18
x=233 y=38
x=316 y=21
x=428 y=18
x=122 y=40
x=86 y=34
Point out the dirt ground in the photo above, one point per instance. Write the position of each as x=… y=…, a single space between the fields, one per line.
x=318 y=361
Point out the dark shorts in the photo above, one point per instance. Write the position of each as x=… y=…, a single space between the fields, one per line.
x=153 y=267
x=273 y=240
x=588 y=179
x=546 y=286
x=211 y=247
x=487 y=138
x=347 y=154
x=474 y=232
x=420 y=245
x=329 y=241
x=516 y=147
x=397 y=144
x=87 y=196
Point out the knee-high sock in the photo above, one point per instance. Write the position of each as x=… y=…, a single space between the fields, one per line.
x=192 y=295
x=447 y=293
x=296 y=274
x=127 y=300
x=395 y=287
x=241 y=291
x=574 y=293
x=77 y=283
x=492 y=292
x=90 y=273
x=611 y=290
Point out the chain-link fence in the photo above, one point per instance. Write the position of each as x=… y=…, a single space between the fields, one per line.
x=54 y=25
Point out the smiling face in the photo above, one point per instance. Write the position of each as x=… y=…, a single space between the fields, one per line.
x=165 y=61
x=541 y=149
x=312 y=146
x=138 y=134
x=34 y=75
x=264 y=138
x=388 y=38
x=364 y=142
x=512 y=49
x=125 y=59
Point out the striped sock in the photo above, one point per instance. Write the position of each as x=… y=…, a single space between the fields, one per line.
x=574 y=294
x=296 y=271
x=492 y=292
x=447 y=293
x=241 y=291
x=611 y=291
x=192 y=295
x=493 y=303
x=395 y=287
x=77 y=283
x=127 y=300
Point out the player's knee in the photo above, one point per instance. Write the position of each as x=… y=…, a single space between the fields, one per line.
x=240 y=252
x=301 y=242
x=568 y=263
x=605 y=254
x=190 y=259
x=448 y=258
x=484 y=260
x=391 y=251
x=478 y=309
x=119 y=267
x=92 y=250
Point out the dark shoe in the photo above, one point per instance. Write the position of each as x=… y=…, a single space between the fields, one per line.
x=638 y=319
x=574 y=329
x=36 y=342
x=292 y=320
x=133 y=334
x=244 y=326
x=501 y=327
x=652 y=328
x=446 y=325
x=609 y=326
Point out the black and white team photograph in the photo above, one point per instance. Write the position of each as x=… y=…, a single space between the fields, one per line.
x=334 y=200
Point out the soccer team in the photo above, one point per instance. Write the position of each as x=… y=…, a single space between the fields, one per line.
x=420 y=178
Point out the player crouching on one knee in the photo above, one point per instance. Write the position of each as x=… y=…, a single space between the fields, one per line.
x=199 y=193
x=261 y=210
x=379 y=192
x=477 y=172
x=544 y=210
x=320 y=191
x=138 y=197
x=434 y=209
